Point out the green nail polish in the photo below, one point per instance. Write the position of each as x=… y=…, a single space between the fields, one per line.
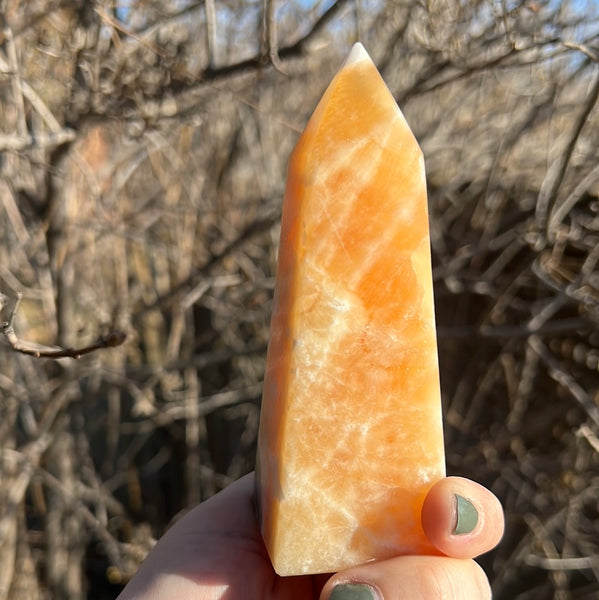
x=353 y=591
x=466 y=516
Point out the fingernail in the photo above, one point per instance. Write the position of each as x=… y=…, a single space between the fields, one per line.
x=353 y=591
x=466 y=516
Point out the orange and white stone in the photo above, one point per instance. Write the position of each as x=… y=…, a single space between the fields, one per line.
x=351 y=435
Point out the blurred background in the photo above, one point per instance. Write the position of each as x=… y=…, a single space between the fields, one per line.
x=143 y=150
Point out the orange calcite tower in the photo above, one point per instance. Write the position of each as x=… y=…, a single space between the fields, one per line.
x=351 y=434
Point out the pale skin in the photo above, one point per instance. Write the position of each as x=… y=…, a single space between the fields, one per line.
x=216 y=552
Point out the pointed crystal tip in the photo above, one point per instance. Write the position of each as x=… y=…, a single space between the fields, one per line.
x=357 y=53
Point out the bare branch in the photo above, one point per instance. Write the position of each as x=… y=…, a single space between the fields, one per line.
x=111 y=340
x=33 y=97
x=584 y=48
x=564 y=379
x=132 y=34
x=211 y=32
x=557 y=171
x=560 y=211
x=562 y=564
x=269 y=33
x=294 y=49
x=16 y=81
x=18 y=143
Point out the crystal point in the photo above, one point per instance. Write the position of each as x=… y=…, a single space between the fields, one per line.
x=350 y=435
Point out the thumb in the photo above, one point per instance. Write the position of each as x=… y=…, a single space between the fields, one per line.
x=461 y=518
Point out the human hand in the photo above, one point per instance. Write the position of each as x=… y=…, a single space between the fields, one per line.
x=216 y=552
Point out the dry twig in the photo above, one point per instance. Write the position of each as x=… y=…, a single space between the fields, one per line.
x=111 y=340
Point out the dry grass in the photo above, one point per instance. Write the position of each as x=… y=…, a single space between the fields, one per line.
x=141 y=178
